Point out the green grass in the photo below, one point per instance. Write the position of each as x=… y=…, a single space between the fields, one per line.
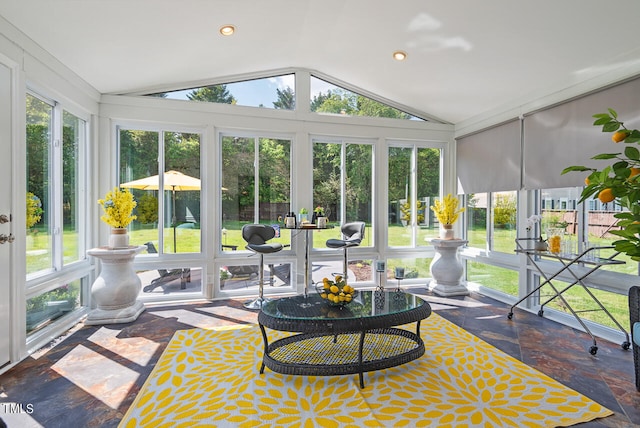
x=505 y=280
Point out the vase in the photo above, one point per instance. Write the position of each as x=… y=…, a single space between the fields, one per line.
x=447 y=232
x=554 y=239
x=118 y=239
x=321 y=222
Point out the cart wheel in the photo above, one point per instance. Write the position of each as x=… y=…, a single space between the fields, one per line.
x=540 y=312
x=593 y=350
x=626 y=345
x=510 y=315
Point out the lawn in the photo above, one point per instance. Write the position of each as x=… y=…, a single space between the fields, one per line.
x=505 y=280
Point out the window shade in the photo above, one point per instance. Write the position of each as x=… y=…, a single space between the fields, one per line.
x=564 y=135
x=489 y=161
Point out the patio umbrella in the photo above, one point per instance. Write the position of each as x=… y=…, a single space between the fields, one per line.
x=174 y=181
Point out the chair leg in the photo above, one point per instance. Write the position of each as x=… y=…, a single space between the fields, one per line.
x=257 y=303
x=345 y=265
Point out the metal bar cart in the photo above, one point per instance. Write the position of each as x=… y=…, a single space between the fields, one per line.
x=585 y=259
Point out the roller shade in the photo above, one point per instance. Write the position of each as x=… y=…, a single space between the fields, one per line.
x=489 y=161
x=564 y=135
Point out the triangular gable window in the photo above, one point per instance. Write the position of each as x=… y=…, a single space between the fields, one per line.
x=275 y=92
x=327 y=98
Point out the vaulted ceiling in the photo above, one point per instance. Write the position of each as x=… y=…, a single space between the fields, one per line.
x=465 y=57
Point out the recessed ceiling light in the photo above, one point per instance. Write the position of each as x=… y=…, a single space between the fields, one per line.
x=227 y=30
x=399 y=55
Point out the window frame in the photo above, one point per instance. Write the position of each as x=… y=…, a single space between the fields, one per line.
x=60 y=273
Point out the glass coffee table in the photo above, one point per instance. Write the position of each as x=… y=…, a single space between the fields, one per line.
x=356 y=338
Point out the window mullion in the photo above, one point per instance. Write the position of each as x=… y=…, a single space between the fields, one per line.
x=56 y=187
x=256 y=179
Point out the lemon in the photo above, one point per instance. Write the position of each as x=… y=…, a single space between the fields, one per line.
x=606 y=195
x=334 y=289
x=587 y=181
x=323 y=295
x=338 y=278
x=619 y=136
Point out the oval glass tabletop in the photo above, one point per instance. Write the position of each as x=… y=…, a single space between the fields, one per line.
x=367 y=303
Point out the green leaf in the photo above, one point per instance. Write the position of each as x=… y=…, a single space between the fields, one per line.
x=598 y=115
x=602 y=120
x=606 y=156
x=621 y=165
x=611 y=126
x=576 y=168
x=613 y=113
x=632 y=153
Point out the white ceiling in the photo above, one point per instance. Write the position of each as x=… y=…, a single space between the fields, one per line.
x=465 y=57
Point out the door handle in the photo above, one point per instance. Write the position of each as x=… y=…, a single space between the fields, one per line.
x=5 y=218
x=7 y=238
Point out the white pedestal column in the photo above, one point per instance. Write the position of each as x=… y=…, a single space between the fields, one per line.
x=116 y=289
x=446 y=268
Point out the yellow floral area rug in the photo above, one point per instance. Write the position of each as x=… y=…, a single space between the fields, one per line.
x=210 y=378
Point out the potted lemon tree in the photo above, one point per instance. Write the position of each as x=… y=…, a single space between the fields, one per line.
x=619 y=181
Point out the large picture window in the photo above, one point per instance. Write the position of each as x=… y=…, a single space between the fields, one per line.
x=256 y=186
x=168 y=210
x=343 y=183
x=414 y=182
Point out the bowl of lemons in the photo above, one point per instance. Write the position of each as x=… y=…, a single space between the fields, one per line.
x=336 y=292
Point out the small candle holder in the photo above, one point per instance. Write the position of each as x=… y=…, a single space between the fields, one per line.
x=381 y=269
x=399 y=275
x=379 y=291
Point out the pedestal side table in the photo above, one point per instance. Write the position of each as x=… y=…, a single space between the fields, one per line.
x=446 y=268
x=116 y=289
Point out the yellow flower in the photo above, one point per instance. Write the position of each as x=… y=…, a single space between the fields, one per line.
x=118 y=206
x=34 y=210
x=447 y=211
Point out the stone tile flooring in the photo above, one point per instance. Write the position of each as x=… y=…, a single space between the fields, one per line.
x=90 y=377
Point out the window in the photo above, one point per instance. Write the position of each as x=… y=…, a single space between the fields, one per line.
x=476 y=216
x=562 y=211
x=73 y=144
x=414 y=177
x=343 y=183
x=328 y=98
x=56 y=207
x=47 y=159
x=504 y=207
x=256 y=186
x=47 y=307
x=272 y=92
x=169 y=219
x=39 y=190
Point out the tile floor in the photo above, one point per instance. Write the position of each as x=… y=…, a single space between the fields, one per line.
x=90 y=377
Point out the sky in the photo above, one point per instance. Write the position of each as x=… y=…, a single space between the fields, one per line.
x=261 y=91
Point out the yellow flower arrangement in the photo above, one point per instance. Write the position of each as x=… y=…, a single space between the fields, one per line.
x=447 y=211
x=337 y=292
x=34 y=210
x=118 y=206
